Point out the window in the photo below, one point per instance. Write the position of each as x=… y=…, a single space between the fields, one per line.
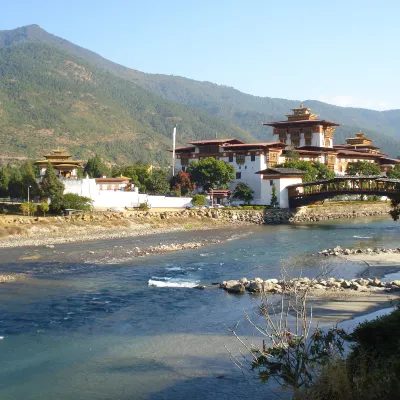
x=240 y=158
x=184 y=169
x=230 y=157
x=271 y=183
x=238 y=175
x=253 y=157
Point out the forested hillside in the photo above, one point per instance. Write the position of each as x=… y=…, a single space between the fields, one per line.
x=50 y=98
x=124 y=118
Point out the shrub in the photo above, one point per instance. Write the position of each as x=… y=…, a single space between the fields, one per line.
x=44 y=207
x=28 y=208
x=144 y=206
x=198 y=200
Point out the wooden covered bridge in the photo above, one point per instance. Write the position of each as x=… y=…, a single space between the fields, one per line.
x=302 y=194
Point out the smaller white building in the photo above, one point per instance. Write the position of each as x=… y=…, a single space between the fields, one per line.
x=281 y=178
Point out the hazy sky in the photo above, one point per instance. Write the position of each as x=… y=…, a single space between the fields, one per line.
x=342 y=52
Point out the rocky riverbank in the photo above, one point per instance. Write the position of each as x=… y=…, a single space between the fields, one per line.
x=275 y=286
x=338 y=251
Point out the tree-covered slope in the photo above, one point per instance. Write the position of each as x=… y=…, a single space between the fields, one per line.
x=245 y=112
x=50 y=98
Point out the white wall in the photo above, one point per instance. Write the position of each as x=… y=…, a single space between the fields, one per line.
x=120 y=198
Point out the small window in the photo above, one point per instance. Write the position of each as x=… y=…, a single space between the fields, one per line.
x=230 y=157
x=238 y=175
x=271 y=183
x=253 y=157
x=184 y=169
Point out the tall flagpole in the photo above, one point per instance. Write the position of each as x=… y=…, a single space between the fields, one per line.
x=173 y=151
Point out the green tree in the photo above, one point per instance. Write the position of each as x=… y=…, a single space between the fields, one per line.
x=15 y=183
x=313 y=170
x=138 y=173
x=158 y=183
x=75 y=202
x=44 y=207
x=210 y=173
x=4 y=183
x=95 y=167
x=363 y=168
x=199 y=200
x=292 y=155
x=51 y=186
x=243 y=192
x=274 y=198
x=29 y=181
x=394 y=173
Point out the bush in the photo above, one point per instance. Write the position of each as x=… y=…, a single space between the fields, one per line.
x=28 y=208
x=44 y=207
x=199 y=200
x=372 y=369
x=144 y=206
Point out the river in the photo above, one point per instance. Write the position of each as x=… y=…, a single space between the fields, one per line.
x=76 y=329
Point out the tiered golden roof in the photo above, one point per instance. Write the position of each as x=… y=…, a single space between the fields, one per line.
x=301 y=114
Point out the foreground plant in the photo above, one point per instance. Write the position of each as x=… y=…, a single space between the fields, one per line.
x=293 y=350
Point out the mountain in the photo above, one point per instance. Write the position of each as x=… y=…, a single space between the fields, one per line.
x=93 y=104
x=49 y=98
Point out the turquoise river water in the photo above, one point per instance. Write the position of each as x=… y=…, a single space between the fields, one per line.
x=138 y=330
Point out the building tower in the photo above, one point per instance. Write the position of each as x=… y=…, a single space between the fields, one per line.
x=304 y=129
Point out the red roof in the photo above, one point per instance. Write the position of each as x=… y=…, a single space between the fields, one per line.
x=178 y=149
x=261 y=144
x=359 y=153
x=305 y=121
x=216 y=141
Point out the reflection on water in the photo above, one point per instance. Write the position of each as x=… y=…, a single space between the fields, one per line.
x=78 y=330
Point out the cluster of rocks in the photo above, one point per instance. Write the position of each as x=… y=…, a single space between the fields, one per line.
x=337 y=251
x=275 y=286
x=10 y=277
x=165 y=248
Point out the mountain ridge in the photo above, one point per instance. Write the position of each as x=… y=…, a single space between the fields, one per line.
x=244 y=111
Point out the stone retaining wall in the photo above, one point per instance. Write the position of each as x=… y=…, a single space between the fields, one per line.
x=275 y=216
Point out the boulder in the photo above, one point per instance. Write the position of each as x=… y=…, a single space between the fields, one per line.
x=345 y=284
x=238 y=288
x=254 y=287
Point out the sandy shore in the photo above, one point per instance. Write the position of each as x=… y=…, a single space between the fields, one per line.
x=60 y=233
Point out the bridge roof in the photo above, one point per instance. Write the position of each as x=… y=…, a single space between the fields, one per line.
x=343 y=178
x=390 y=180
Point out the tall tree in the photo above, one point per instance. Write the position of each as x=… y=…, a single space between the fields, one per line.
x=51 y=186
x=243 y=192
x=29 y=181
x=158 y=183
x=95 y=167
x=210 y=173
x=15 y=183
x=274 y=198
x=363 y=168
x=4 y=183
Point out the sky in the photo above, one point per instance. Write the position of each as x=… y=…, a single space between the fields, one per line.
x=340 y=52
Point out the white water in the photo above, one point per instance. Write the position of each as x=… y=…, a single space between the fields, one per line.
x=173 y=284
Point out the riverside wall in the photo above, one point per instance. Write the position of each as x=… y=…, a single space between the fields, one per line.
x=269 y=216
